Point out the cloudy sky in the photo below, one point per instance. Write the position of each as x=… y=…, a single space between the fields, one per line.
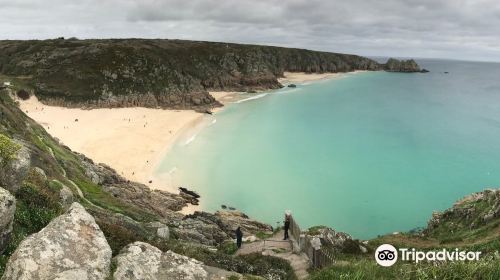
x=458 y=29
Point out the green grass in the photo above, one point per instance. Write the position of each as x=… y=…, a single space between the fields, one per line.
x=315 y=230
x=369 y=269
x=253 y=264
x=263 y=235
x=228 y=247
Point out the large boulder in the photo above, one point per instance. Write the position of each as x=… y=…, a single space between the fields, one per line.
x=140 y=260
x=70 y=247
x=7 y=210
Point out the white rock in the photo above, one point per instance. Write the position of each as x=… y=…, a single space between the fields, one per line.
x=140 y=260
x=7 y=210
x=163 y=232
x=70 y=247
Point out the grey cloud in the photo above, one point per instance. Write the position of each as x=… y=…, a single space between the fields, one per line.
x=462 y=29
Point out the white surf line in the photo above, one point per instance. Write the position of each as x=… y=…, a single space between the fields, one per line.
x=252 y=98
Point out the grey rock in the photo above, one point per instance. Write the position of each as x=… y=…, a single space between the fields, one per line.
x=66 y=197
x=233 y=219
x=40 y=172
x=140 y=260
x=13 y=176
x=70 y=247
x=163 y=232
x=7 y=211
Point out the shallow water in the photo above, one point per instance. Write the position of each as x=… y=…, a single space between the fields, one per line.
x=366 y=153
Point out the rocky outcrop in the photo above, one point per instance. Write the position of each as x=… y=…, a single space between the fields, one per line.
x=468 y=213
x=201 y=228
x=407 y=66
x=232 y=219
x=142 y=261
x=71 y=247
x=7 y=211
x=213 y=229
x=336 y=241
x=154 y=201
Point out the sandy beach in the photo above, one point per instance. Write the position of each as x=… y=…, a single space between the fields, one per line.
x=131 y=140
x=302 y=77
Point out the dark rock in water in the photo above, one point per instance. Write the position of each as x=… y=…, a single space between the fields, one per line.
x=191 y=193
x=191 y=196
x=150 y=181
x=406 y=66
x=76 y=120
x=424 y=71
x=292 y=85
x=446 y=72
x=231 y=208
x=223 y=206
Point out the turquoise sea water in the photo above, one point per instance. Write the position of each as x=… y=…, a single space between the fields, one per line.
x=368 y=153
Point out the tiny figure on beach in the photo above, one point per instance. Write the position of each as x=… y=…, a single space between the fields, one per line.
x=287 y=226
x=239 y=237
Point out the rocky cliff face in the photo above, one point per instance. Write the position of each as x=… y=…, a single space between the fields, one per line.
x=158 y=73
x=71 y=247
x=407 y=66
x=469 y=213
x=7 y=210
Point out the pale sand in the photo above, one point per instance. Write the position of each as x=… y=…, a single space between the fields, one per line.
x=225 y=97
x=301 y=77
x=130 y=140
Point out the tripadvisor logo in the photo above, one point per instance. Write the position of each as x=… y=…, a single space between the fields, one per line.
x=387 y=255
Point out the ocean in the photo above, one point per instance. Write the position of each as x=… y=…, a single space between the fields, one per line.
x=366 y=153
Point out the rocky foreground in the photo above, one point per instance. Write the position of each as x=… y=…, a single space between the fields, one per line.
x=72 y=246
x=162 y=73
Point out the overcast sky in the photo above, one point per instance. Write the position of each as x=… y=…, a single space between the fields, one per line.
x=458 y=29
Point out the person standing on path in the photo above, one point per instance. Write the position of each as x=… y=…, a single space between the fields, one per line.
x=287 y=226
x=239 y=237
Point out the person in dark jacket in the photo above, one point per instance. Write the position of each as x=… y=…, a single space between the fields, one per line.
x=239 y=237
x=287 y=227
